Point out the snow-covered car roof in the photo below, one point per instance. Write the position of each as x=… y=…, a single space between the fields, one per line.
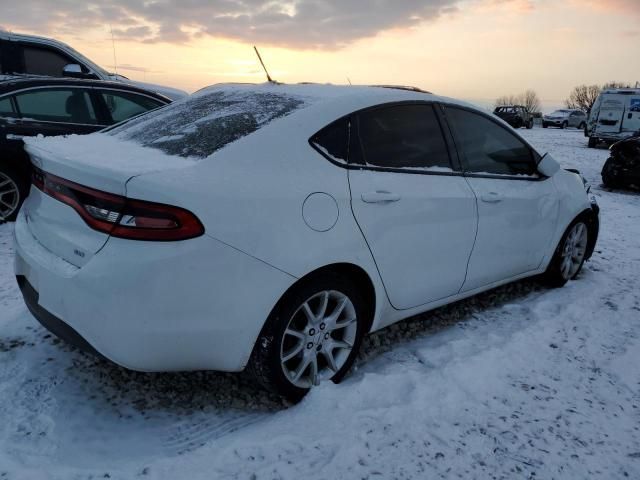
x=221 y=114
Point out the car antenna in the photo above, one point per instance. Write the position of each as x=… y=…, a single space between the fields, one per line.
x=113 y=44
x=269 y=79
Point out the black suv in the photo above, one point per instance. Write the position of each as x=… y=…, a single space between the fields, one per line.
x=32 y=106
x=515 y=115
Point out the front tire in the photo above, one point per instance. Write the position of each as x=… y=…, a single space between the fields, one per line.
x=593 y=142
x=570 y=254
x=564 y=125
x=13 y=190
x=313 y=335
x=529 y=124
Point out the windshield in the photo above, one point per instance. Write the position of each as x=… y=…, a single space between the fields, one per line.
x=205 y=122
x=612 y=102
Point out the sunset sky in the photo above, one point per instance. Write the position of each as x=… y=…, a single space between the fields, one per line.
x=471 y=49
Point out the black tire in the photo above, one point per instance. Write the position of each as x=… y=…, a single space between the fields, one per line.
x=593 y=142
x=582 y=126
x=553 y=276
x=529 y=124
x=610 y=174
x=12 y=193
x=564 y=125
x=544 y=125
x=265 y=362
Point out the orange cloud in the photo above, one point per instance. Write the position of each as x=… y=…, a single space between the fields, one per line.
x=517 y=6
x=625 y=6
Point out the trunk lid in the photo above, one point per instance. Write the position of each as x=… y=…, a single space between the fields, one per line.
x=98 y=162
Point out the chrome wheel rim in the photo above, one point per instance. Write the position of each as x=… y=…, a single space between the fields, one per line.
x=318 y=339
x=573 y=251
x=9 y=196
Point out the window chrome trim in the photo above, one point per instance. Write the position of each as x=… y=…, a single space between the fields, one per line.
x=115 y=89
x=497 y=176
x=35 y=120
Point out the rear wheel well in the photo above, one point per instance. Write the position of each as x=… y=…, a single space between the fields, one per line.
x=345 y=270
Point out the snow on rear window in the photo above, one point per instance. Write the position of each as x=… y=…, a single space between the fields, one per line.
x=206 y=122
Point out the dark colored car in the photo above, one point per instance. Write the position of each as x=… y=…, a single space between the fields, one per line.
x=31 y=106
x=622 y=169
x=515 y=115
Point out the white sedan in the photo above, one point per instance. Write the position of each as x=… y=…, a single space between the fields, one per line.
x=270 y=227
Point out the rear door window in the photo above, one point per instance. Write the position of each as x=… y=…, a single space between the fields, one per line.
x=487 y=147
x=124 y=105
x=62 y=105
x=403 y=137
x=44 y=61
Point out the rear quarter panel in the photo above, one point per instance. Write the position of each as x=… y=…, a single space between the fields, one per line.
x=250 y=195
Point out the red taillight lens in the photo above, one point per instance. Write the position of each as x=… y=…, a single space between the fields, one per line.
x=120 y=216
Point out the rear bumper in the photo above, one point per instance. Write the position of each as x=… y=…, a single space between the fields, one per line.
x=611 y=136
x=164 y=306
x=50 y=321
x=554 y=123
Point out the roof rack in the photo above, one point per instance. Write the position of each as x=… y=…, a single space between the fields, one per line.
x=402 y=87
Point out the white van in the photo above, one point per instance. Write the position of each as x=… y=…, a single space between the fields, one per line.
x=32 y=55
x=615 y=115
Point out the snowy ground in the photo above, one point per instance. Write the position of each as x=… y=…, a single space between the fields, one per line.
x=520 y=382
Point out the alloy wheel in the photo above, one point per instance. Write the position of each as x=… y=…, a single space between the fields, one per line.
x=9 y=196
x=318 y=339
x=574 y=250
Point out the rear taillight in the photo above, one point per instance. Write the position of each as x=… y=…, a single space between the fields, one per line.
x=120 y=216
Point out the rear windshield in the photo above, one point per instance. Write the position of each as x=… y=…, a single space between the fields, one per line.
x=207 y=121
x=610 y=102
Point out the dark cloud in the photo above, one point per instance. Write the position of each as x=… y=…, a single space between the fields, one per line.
x=292 y=23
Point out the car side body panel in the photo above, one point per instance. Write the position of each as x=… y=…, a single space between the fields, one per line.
x=175 y=311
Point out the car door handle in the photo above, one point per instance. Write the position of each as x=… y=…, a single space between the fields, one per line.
x=380 y=196
x=491 y=197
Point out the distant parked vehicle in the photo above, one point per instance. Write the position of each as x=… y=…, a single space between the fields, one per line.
x=515 y=115
x=615 y=116
x=565 y=118
x=32 y=106
x=271 y=227
x=622 y=169
x=33 y=55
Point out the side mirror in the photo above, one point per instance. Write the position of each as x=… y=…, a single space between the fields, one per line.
x=73 y=70
x=548 y=166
